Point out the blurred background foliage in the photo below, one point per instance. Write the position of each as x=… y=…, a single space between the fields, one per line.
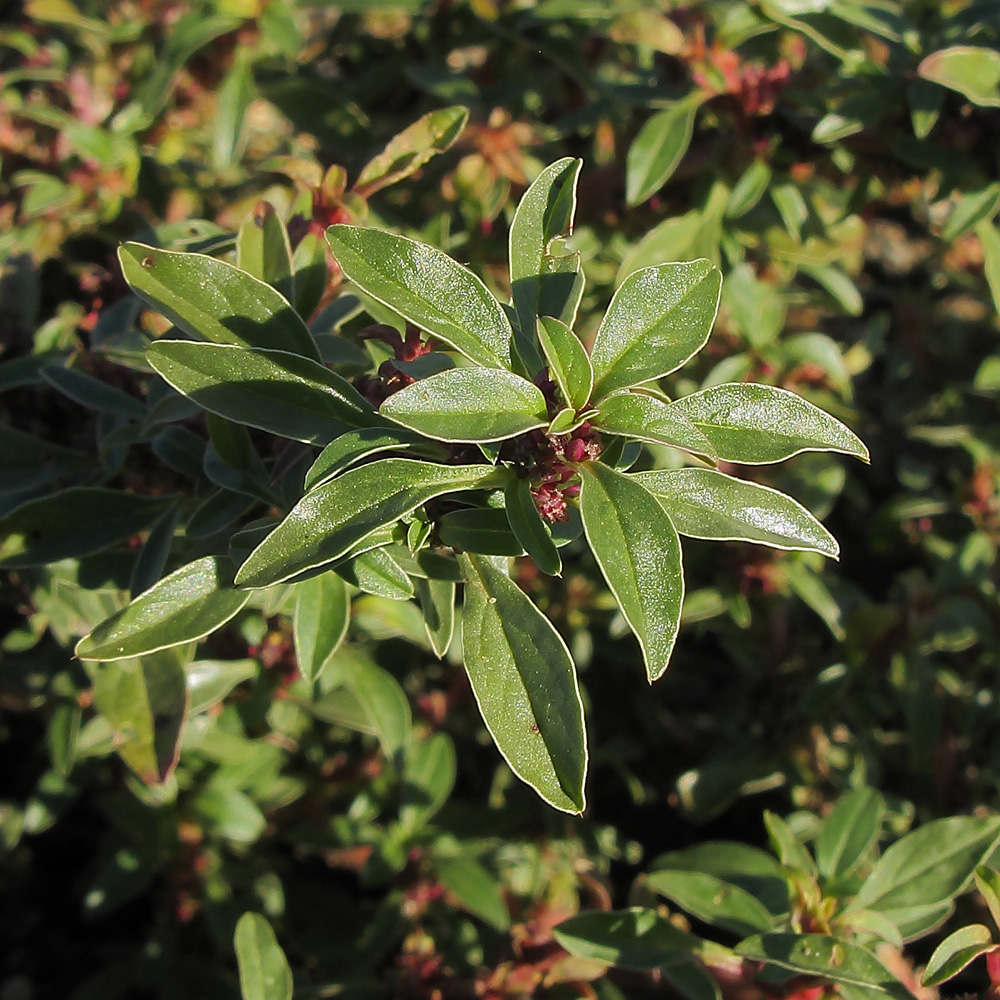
x=839 y=160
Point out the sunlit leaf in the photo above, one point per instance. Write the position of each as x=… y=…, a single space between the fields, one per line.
x=264 y=970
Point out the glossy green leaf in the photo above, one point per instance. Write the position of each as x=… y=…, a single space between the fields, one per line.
x=955 y=952
x=525 y=685
x=529 y=528
x=819 y=955
x=703 y=503
x=659 y=147
x=376 y=572
x=972 y=70
x=639 y=554
x=264 y=250
x=636 y=938
x=569 y=363
x=486 y=531
x=929 y=866
x=275 y=391
x=264 y=971
x=209 y=681
x=756 y=424
x=543 y=281
x=469 y=404
x=74 y=522
x=325 y=523
x=145 y=702
x=712 y=900
x=428 y=288
x=319 y=624
x=152 y=559
x=645 y=418
x=437 y=602
x=211 y=300
x=352 y=447
x=848 y=832
x=189 y=604
x=474 y=888
x=988 y=884
x=659 y=317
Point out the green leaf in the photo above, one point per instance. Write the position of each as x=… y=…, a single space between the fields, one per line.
x=408 y=151
x=749 y=189
x=756 y=424
x=428 y=288
x=486 y=531
x=475 y=889
x=376 y=572
x=74 y=522
x=929 y=866
x=319 y=624
x=209 y=681
x=658 y=318
x=712 y=900
x=569 y=363
x=639 y=554
x=543 y=282
x=849 y=832
x=326 y=522
x=428 y=778
x=636 y=938
x=227 y=812
x=659 y=147
x=437 y=602
x=636 y=415
x=354 y=446
x=819 y=955
x=264 y=250
x=61 y=736
x=525 y=685
x=972 y=70
x=145 y=702
x=989 y=239
x=275 y=391
x=189 y=604
x=234 y=95
x=91 y=392
x=988 y=884
x=469 y=404
x=790 y=851
x=211 y=300
x=955 y=952
x=529 y=528
x=703 y=503
x=972 y=208
x=264 y=971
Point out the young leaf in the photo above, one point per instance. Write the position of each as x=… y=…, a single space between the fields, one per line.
x=469 y=404
x=325 y=523
x=278 y=392
x=437 y=602
x=568 y=361
x=757 y=424
x=529 y=528
x=544 y=284
x=712 y=900
x=848 y=832
x=211 y=300
x=264 y=251
x=659 y=148
x=525 y=685
x=264 y=970
x=637 y=938
x=658 y=318
x=639 y=554
x=72 y=523
x=322 y=613
x=189 y=604
x=703 y=503
x=955 y=952
x=636 y=415
x=352 y=447
x=428 y=288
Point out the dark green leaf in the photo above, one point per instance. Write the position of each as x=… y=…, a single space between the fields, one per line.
x=659 y=317
x=755 y=424
x=152 y=560
x=631 y=939
x=636 y=415
x=569 y=363
x=264 y=970
x=189 y=604
x=703 y=503
x=529 y=528
x=61 y=736
x=712 y=900
x=322 y=613
x=353 y=446
x=91 y=392
x=325 y=523
x=525 y=685
x=264 y=251
x=428 y=288
x=955 y=952
x=659 y=147
x=74 y=522
x=477 y=529
x=211 y=300
x=639 y=554
x=276 y=391
x=376 y=572
x=469 y=404
x=437 y=602
x=849 y=832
